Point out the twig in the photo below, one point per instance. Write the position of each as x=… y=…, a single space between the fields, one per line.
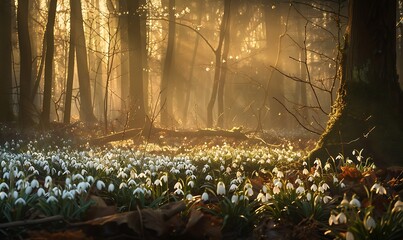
x=296 y=118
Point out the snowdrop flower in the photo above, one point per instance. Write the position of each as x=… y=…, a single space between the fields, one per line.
x=234 y=198
x=220 y=188
x=164 y=178
x=355 y=203
x=15 y=194
x=276 y=190
x=131 y=182
x=344 y=202
x=261 y=197
x=20 y=201
x=378 y=188
x=6 y=175
x=309 y=196
x=369 y=223
x=122 y=185
x=335 y=179
x=298 y=181
x=68 y=195
x=157 y=182
x=205 y=196
x=41 y=192
x=318 y=162
x=82 y=187
x=191 y=184
x=349 y=236
x=289 y=186
x=34 y=183
x=233 y=187
x=138 y=190
x=325 y=186
x=280 y=174
x=3 y=195
x=341 y=218
x=332 y=220
x=189 y=197
x=268 y=196
x=122 y=175
x=398 y=206
x=51 y=199
x=78 y=177
x=314 y=187
x=111 y=187
x=178 y=185
x=28 y=190
x=327 y=166
x=249 y=192
x=208 y=177
x=100 y=184
x=300 y=190
x=278 y=183
x=326 y=199
x=4 y=185
x=90 y=179
x=48 y=181
x=342 y=185
x=179 y=191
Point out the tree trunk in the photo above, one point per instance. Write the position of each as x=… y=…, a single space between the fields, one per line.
x=368 y=110
x=86 y=110
x=166 y=80
x=6 y=110
x=137 y=116
x=70 y=73
x=224 y=69
x=47 y=91
x=218 y=63
x=26 y=108
x=124 y=59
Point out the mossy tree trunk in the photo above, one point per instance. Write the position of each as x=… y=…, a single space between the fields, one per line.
x=368 y=111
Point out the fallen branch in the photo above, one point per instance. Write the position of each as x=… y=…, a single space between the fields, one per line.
x=31 y=222
x=137 y=132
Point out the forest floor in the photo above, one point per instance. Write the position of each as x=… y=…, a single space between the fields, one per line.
x=73 y=182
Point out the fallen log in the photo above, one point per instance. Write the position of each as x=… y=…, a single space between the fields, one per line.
x=156 y=132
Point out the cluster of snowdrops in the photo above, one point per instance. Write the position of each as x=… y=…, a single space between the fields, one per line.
x=245 y=184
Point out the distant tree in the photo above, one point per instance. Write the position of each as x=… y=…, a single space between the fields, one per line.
x=6 y=110
x=218 y=65
x=368 y=113
x=70 y=72
x=86 y=109
x=167 y=74
x=124 y=56
x=26 y=109
x=137 y=115
x=49 y=35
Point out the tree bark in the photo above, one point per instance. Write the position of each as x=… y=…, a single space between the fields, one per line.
x=224 y=70
x=86 y=110
x=70 y=73
x=6 y=110
x=218 y=63
x=47 y=91
x=124 y=59
x=368 y=110
x=137 y=116
x=166 y=80
x=26 y=108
